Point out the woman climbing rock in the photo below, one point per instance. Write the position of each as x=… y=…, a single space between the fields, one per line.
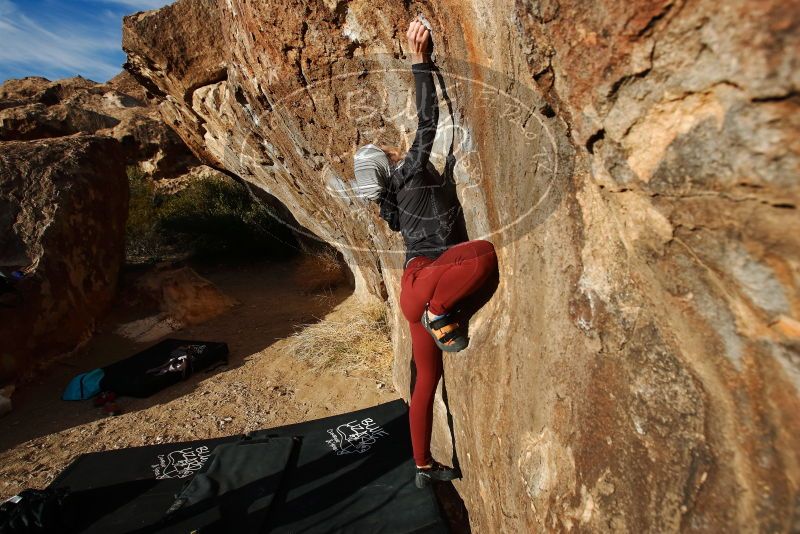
x=441 y=268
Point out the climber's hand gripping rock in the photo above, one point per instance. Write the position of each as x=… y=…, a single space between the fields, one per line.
x=418 y=41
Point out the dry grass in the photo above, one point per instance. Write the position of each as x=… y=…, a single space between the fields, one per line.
x=320 y=270
x=357 y=338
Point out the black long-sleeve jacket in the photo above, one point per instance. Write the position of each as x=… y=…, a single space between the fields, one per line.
x=420 y=202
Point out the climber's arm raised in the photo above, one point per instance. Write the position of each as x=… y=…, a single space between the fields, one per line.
x=427 y=109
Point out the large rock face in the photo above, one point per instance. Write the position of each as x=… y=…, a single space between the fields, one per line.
x=636 y=165
x=62 y=211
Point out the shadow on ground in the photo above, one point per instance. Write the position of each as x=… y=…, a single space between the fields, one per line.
x=271 y=305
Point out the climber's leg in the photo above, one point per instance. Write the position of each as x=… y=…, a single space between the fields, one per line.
x=461 y=270
x=428 y=361
x=456 y=273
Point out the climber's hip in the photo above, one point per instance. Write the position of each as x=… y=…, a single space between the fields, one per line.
x=445 y=280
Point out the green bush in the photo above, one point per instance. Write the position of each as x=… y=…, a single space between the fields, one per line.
x=211 y=217
x=141 y=232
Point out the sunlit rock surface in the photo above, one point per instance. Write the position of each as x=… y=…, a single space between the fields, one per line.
x=36 y=108
x=636 y=166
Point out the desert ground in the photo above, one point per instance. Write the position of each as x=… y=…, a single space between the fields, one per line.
x=265 y=383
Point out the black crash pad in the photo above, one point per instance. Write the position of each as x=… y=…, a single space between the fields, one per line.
x=131 y=377
x=350 y=473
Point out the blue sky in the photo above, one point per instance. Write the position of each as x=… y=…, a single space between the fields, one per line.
x=62 y=38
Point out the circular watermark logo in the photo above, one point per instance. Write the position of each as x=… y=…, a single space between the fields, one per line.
x=490 y=162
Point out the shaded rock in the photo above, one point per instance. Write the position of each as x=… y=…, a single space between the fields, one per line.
x=185 y=295
x=636 y=167
x=5 y=405
x=128 y=86
x=63 y=220
x=149 y=329
x=5 y=400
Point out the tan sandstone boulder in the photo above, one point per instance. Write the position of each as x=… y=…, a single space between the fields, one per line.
x=63 y=212
x=36 y=108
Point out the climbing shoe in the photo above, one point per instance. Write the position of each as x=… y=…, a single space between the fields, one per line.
x=445 y=331
x=436 y=472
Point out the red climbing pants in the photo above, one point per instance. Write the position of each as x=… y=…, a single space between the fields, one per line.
x=459 y=271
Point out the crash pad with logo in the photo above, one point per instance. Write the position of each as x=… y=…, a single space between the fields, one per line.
x=349 y=473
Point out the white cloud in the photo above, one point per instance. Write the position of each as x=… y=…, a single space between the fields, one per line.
x=140 y=5
x=60 y=44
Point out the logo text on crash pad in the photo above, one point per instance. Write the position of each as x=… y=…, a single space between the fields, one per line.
x=181 y=463
x=355 y=436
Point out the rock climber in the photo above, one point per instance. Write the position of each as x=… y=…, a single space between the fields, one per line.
x=441 y=268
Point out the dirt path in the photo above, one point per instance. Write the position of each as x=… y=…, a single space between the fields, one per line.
x=263 y=385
